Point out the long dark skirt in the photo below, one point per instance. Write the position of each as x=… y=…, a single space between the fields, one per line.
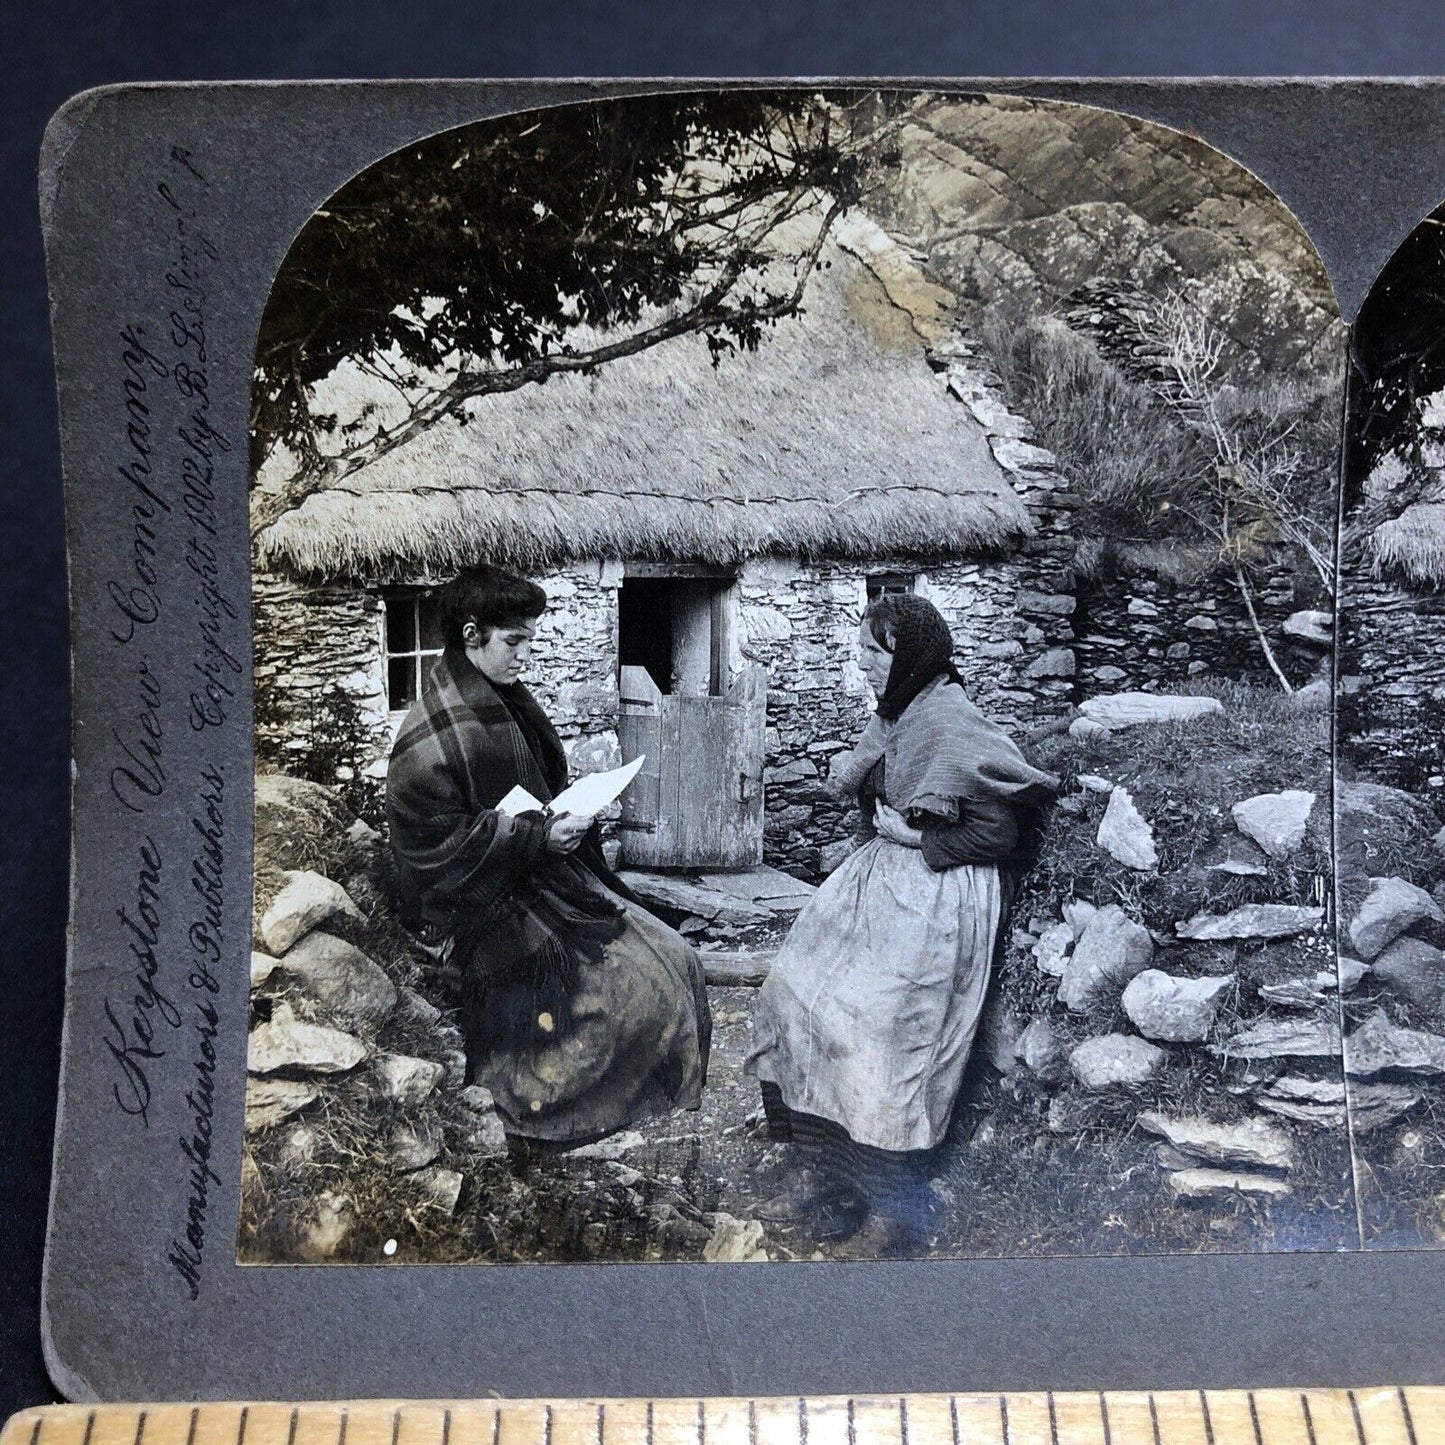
x=893 y=1182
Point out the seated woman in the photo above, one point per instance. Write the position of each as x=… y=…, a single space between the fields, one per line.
x=864 y=1025
x=581 y=1012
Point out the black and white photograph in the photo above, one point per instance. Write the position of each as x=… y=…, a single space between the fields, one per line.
x=793 y=678
x=1390 y=752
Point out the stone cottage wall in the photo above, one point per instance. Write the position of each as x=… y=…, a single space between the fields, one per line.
x=1147 y=632
x=800 y=621
x=320 y=682
x=321 y=705
x=1392 y=685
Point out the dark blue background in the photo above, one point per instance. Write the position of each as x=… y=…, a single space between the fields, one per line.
x=50 y=51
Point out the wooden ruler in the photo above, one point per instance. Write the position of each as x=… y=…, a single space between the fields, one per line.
x=1387 y=1416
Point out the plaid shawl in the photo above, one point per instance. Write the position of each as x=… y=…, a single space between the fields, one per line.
x=941 y=749
x=522 y=917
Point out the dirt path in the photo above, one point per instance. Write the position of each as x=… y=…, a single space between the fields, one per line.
x=685 y=1168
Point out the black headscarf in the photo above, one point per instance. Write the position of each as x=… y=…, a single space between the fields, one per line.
x=922 y=647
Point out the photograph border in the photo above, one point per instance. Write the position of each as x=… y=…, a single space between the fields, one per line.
x=175 y=205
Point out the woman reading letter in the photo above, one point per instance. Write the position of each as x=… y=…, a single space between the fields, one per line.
x=581 y=1012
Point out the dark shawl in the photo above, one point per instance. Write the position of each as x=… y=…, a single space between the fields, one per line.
x=523 y=917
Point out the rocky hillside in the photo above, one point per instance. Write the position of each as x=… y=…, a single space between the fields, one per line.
x=1031 y=200
x=1174 y=1058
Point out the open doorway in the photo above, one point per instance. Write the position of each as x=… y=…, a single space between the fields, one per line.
x=674 y=621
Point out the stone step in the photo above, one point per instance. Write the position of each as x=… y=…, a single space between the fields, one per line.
x=734 y=970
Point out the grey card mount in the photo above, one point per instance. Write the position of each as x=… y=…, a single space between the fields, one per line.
x=962 y=517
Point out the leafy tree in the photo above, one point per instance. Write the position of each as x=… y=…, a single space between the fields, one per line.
x=499 y=254
x=1397 y=347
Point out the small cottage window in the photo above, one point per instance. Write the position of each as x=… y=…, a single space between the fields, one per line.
x=881 y=582
x=412 y=641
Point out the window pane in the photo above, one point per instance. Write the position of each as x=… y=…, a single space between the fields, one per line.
x=431 y=636
x=401 y=624
x=881 y=582
x=428 y=660
x=401 y=682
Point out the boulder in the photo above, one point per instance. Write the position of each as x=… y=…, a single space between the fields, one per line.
x=1249 y=1143
x=1252 y=920
x=1276 y=821
x=614 y=1146
x=1043 y=1052
x=487 y=1136
x=285 y=1043
x=1051 y=952
x=1056 y=662
x=1084 y=730
x=438 y=1189
x=1317 y=1102
x=362 y=835
x=1174 y=1010
x=262 y=967
x=291 y=810
x=272 y=1101
x=1321 y=1103
x=687 y=896
x=1111 y=951
x=1364 y=808
x=412 y=1008
x=1373 y=1106
x=348 y=989
x=1240 y=868
x=401 y=1080
x=735 y=1241
x=1414 y=970
x=1125 y=834
x=478 y=1098
x=1210 y=1183
x=1316 y=1038
x=1392 y=906
x=409 y=1146
x=1114 y=1059
x=1379 y=1047
x=1439 y=841
x=1302 y=994
x=1094 y=783
x=1348 y=974
x=307 y=901
x=1131 y=709
x=1310 y=625
x=1077 y=913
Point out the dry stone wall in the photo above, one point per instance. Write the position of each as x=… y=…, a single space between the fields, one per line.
x=1392 y=686
x=1141 y=632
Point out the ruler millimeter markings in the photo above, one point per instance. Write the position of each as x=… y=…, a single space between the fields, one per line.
x=1385 y=1416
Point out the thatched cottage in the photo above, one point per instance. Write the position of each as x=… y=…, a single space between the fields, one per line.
x=708 y=537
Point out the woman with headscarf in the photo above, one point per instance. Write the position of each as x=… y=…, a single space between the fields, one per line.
x=864 y=1025
x=580 y=1011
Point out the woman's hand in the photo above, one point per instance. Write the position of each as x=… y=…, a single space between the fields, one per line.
x=892 y=825
x=565 y=833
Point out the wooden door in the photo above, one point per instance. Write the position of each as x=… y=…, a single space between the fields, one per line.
x=698 y=800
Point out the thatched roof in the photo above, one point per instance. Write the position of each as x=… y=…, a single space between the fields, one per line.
x=834 y=438
x=1413 y=544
